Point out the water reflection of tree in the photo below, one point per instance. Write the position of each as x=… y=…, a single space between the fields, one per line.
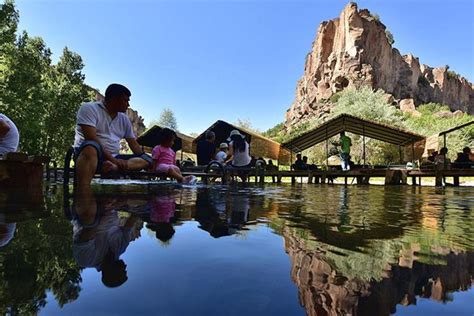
x=38 y=260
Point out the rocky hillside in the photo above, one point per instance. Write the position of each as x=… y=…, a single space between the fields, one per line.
x=355 y=50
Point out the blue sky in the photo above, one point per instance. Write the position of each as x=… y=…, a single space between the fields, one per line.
x=217 y=59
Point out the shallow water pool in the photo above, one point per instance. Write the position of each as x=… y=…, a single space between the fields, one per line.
x=238 y=250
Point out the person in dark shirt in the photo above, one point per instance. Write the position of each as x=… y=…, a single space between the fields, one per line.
x=299 y=163
x=206 y=149
x=463 y=161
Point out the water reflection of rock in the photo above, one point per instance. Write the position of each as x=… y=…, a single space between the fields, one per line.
x=325 y=291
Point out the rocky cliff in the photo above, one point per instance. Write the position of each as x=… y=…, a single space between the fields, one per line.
x=355 y=50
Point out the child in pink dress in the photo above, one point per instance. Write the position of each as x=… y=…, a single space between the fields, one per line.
x=164 y=158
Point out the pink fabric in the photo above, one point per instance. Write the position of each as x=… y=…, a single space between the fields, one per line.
x=163 y=155
x=162 y=209
x=165 y=168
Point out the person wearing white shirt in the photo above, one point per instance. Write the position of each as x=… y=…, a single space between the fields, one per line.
x=9 y=136
x=100 y=127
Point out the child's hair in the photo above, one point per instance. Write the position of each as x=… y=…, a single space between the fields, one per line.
x=238 y=142
x=166 y=134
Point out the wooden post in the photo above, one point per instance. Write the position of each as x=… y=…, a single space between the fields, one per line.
x=456 y=181
x=327 y=148
x=363 y=142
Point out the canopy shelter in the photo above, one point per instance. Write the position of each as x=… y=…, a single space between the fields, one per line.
x=445 y=133
x=260 y=146
x=151 y=138
x=355 y=125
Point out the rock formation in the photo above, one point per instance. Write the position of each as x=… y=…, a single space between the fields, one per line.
x=355 y=50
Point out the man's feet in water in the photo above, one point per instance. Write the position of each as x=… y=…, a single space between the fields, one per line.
x=189 y=180
x=108 y=166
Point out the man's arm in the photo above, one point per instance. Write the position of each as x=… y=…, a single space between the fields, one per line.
x=134 y=146
x=4 y=128
x=90 y=133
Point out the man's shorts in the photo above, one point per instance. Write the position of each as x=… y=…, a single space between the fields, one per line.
x=100 y=154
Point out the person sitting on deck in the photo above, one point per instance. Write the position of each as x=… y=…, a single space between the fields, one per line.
x=206 y=149
x=164 y=158
x=9 y=137
x=221 y=156
x=299 y=163
x=441 y=161
x=346 y=144
x=463 y=160
x=309 y=166
x=238 y=150
x=100 y=127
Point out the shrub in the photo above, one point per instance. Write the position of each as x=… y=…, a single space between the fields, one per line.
x=390 y=38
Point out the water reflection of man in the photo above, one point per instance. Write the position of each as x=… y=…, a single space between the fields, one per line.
x=98 y=238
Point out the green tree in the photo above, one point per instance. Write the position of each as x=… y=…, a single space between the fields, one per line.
x=168 y=119
x=41 y=98
x=246 y=124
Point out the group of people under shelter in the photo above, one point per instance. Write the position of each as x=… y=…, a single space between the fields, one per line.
x=464 y=159
x=301 y=163
x=101 y=125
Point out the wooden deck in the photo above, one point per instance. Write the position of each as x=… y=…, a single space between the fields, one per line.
x=358 y=176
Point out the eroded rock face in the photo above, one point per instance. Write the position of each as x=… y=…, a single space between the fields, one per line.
x=352 y=51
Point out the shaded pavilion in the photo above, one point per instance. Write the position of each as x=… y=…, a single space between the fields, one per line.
x=260 y=146
x=354 y=125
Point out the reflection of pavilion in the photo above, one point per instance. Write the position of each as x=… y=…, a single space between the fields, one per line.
x=326 y=290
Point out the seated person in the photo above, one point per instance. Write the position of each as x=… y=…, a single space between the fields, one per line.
x=164 y=158
x=463 y=160
x=441 y=160
x=221 y=156
x=9 y=137
x=299 y=163
x=100 y=127
x=206 y=149
x=239 y=149
x=309 y=166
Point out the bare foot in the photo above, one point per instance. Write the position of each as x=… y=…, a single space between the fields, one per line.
x=108 y=166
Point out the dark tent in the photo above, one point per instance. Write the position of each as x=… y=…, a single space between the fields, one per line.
x=260 y=146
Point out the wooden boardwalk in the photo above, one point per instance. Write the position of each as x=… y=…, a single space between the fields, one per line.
x=357 y=176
